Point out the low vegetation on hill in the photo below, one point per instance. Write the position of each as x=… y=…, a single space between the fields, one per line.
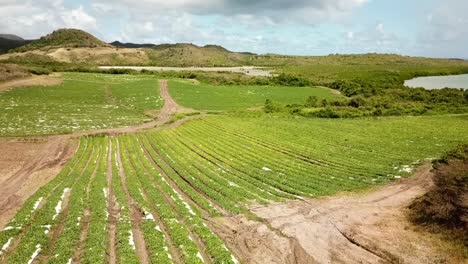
x=70 y=38
x=185 y=55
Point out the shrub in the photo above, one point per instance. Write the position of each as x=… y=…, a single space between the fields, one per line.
x=311 y=101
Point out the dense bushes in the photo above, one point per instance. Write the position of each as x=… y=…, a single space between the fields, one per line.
x=445 y=206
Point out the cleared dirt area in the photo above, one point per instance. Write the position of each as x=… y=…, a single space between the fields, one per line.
x=37 y=80
x=247 y=70
x=26 y=165
x=359 y=228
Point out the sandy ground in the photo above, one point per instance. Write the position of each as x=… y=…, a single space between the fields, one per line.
x=26 y=165
x=247 y=70
x=37 y=80
x=360 y=228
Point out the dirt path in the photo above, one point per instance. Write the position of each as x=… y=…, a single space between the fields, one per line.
x=354 y=228
x=36 y=80
x=170 y=107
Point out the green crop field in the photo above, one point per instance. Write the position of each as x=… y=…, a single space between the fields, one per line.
x=83 y=102
x=166 y=183
x=235 y=97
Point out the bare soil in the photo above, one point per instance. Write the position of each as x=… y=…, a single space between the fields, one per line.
x=36 y=80
x=351 y=228
x=26 y=165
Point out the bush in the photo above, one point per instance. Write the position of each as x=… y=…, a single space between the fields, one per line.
x=348 y=88
x=271 y=107
x=311 y=101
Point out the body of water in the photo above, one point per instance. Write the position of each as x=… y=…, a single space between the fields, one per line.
x=439 y=82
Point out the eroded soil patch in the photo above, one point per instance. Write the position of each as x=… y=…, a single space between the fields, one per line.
x=356 y=228
x=26 y=165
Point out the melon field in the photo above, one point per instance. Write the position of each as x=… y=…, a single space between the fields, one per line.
x=161 y=194
x=149 y=197
x=82 y=102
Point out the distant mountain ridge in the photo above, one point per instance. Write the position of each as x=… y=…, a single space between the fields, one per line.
x=9 y=42
x=131 y=45
x=11 y=37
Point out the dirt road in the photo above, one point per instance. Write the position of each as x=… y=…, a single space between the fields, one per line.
x=357 y=228
x=170 y=107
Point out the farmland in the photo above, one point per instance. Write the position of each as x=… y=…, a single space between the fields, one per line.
x=316 y=163
x=235 y=97
x=82 y=102
x=146 y=197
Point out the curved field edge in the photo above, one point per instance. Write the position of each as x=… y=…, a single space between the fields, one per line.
x=240 y=97
x=166 y=184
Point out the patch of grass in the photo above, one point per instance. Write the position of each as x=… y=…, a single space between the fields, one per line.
x=235 y=97
x=82 y=102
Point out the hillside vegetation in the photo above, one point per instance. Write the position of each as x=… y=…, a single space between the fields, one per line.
x=72 y=38
x=183 y=55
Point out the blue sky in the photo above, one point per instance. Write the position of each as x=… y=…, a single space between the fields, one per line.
x=431 y=28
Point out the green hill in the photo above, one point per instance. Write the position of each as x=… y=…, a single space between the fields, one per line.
x=73 y=38
x=183 y=54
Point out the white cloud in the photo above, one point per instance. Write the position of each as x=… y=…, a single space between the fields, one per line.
x=32 y=20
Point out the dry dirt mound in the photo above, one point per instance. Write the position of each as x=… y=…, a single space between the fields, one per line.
x=41 y=80
x=359 y=228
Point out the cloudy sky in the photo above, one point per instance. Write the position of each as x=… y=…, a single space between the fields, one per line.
x=433 y=28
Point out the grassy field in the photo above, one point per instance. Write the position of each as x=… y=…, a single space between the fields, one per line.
x=82 y=102
x=235 y=97
x=210 y=167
